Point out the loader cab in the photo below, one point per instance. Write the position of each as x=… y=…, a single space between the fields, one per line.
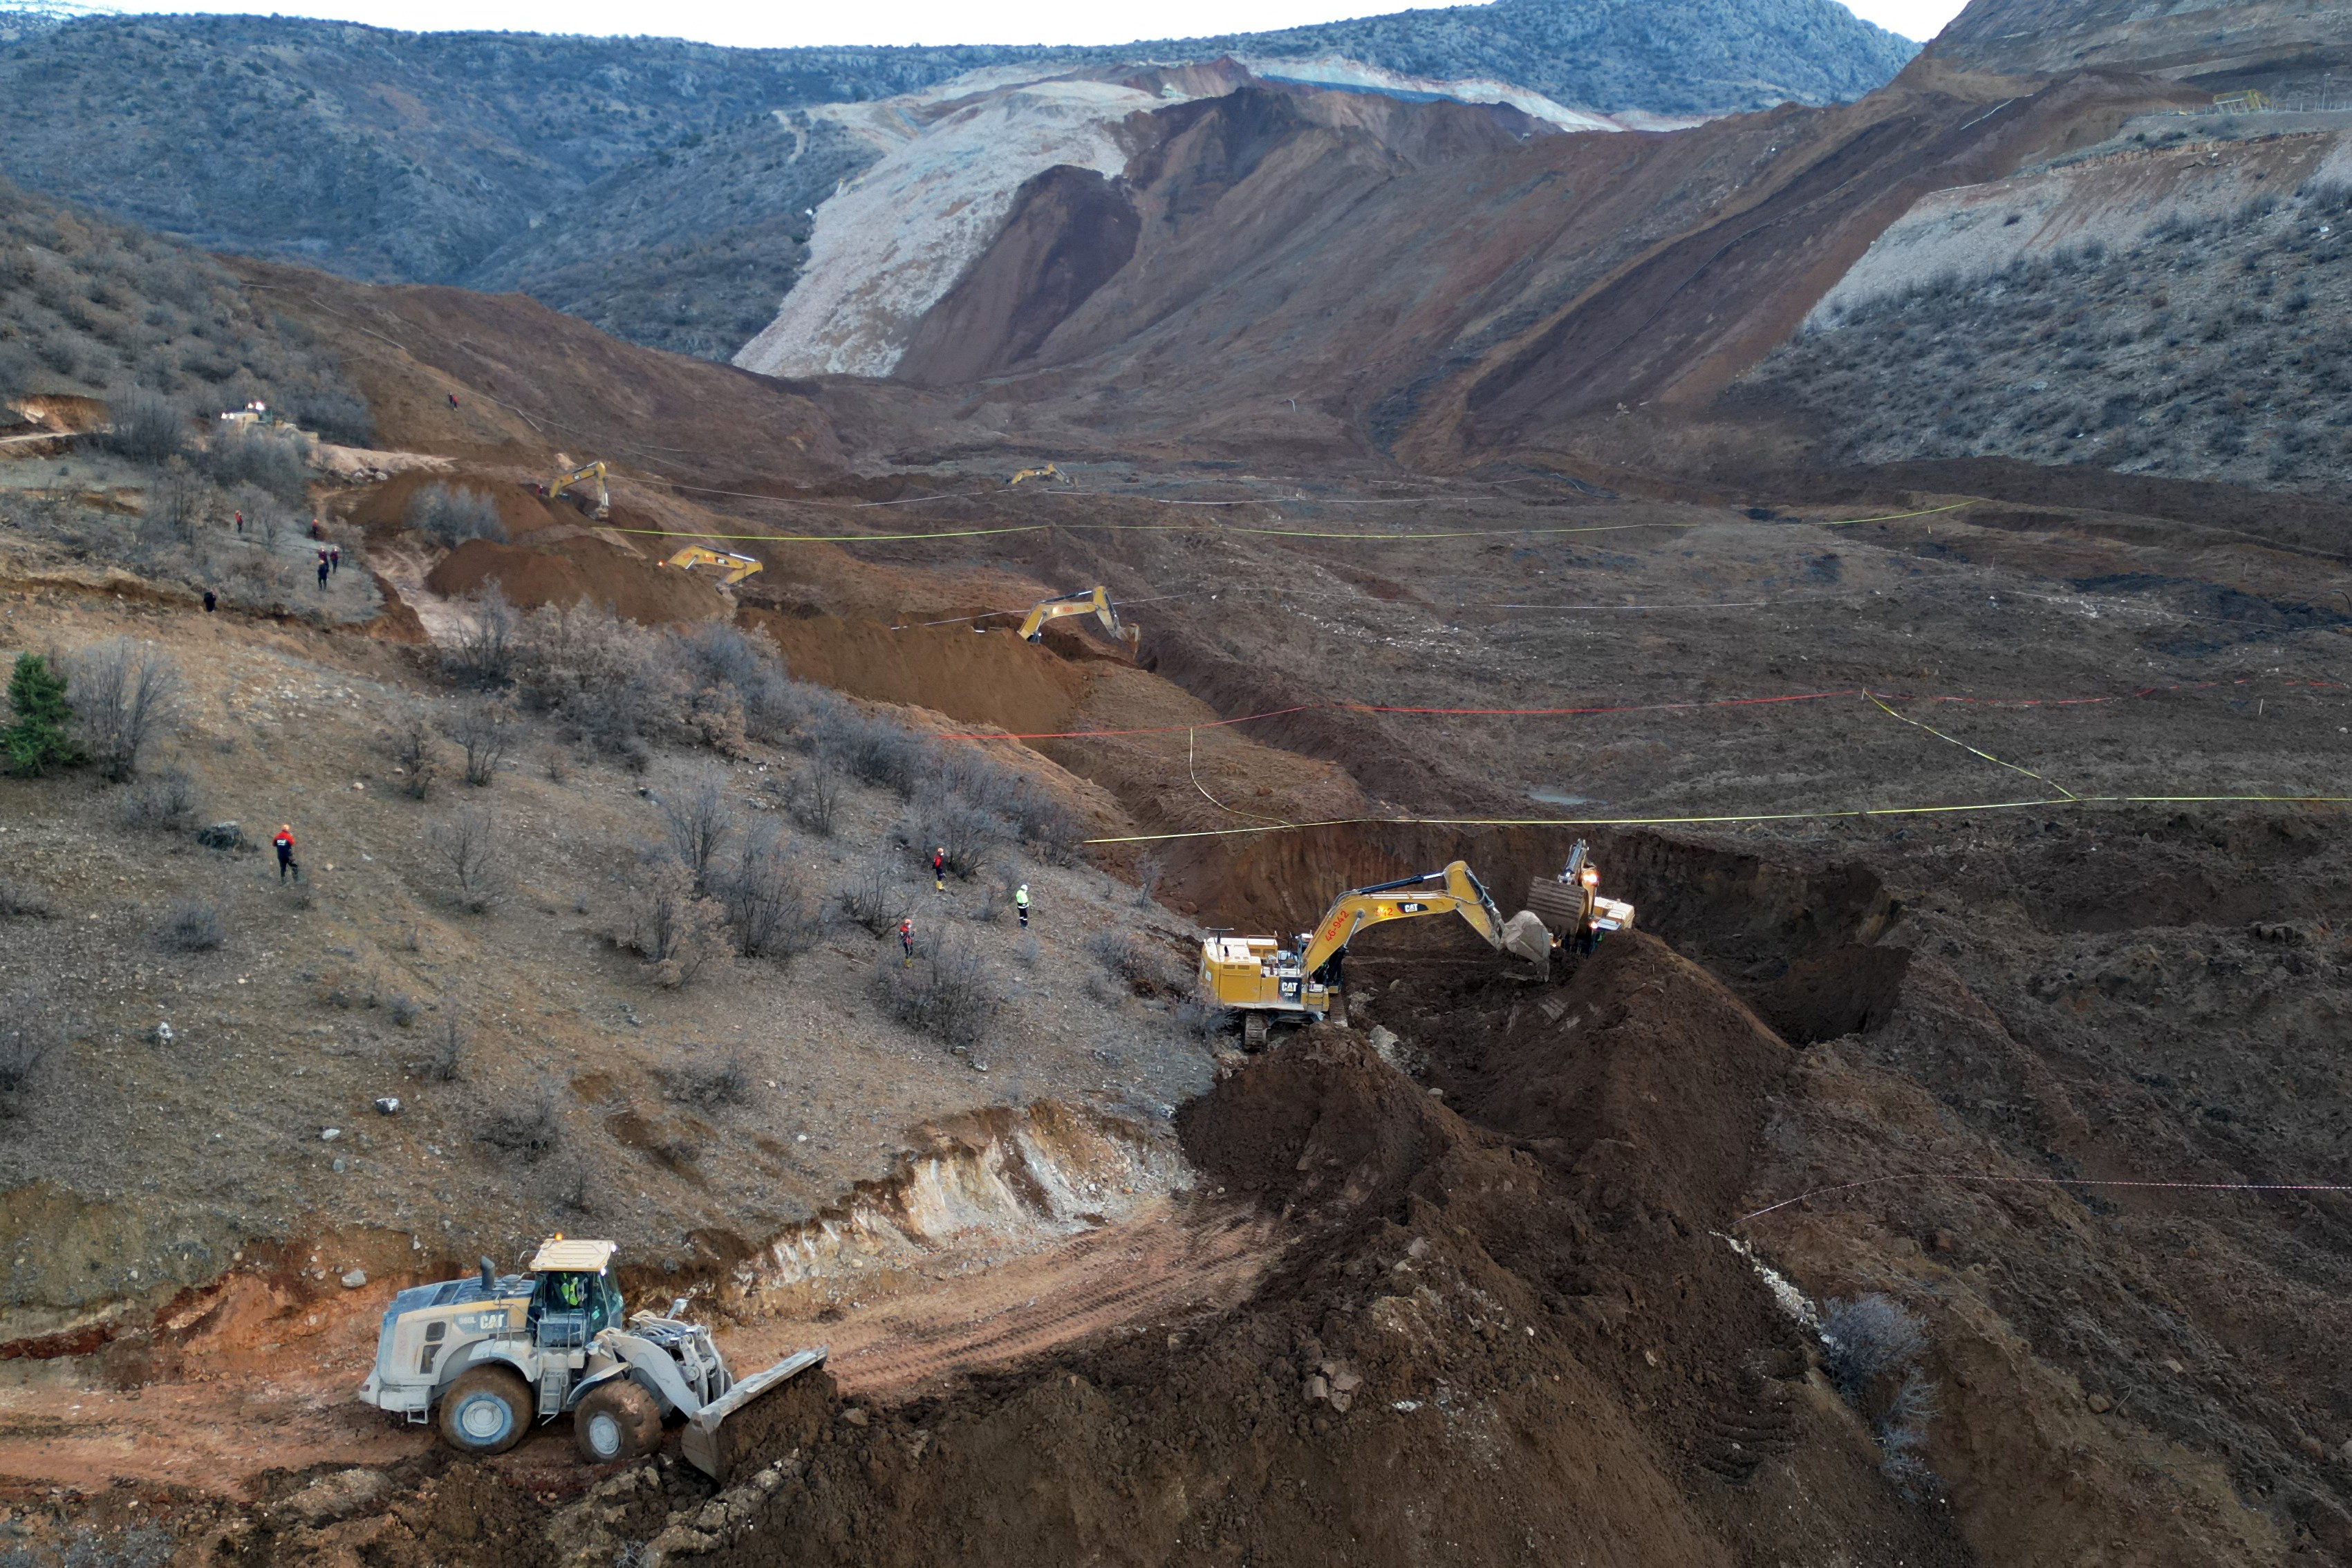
x=573 y=1297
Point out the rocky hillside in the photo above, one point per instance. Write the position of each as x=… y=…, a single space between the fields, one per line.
x=2217 y=43
x=2172 y=309
x=507 y=160
x=1699 y=57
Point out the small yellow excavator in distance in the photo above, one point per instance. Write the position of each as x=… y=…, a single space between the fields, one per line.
x=562 y=483
x=1049 y=471
x=1086 y=601
x=1263 y=980
x=736 y=567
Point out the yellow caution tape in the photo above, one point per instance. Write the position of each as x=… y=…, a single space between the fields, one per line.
x=1872 y=811
x=1963 y=745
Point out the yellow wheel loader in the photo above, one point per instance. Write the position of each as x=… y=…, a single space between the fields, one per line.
x=486 y=1357
x=1086 y=601
x=564 y=481
x=1267 y=983
x=735 y=567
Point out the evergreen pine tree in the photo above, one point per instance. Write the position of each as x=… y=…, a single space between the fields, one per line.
x=41 y=734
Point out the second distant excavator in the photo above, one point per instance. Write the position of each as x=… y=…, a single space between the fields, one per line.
x=735 y=567
x=1046 y=471
x=1267 y=981
x=563 y=481
x=1087 y=602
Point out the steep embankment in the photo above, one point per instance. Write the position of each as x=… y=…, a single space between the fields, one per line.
x=2212 y=43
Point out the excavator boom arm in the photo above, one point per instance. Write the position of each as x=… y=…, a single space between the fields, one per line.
x=1454 y=891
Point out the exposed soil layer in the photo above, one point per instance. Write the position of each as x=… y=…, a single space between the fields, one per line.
x=566 y=569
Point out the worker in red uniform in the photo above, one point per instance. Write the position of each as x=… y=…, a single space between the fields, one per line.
x=907 y=941
x=939 y=868
x=284 y=840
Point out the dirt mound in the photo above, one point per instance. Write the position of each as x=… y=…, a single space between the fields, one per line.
x=384 y=508
x=1534 y=1324
x=563 y=570
x=991 y=678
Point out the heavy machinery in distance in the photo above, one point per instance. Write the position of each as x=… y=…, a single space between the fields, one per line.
x=564 y=481
x=1086 y=601
x=734 y=567
x=1045 y=471
x=484 y=1357
x=1267 y=981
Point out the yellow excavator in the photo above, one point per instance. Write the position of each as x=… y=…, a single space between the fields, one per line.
x=735 y=567
x=1267 y=981
x=1047 y=471
x=563 y=481
x=1086 y=601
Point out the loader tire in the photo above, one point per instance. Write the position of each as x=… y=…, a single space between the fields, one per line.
x=486 y=1411
x=617 y=1420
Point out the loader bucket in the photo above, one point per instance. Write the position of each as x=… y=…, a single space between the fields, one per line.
x=704 y=1440
x=1525 y=935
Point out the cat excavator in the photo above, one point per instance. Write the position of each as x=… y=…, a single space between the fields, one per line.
x=1267 y=981
x=1046 y=471
x=1086 y=601
x=736 y=567
x=564 y=481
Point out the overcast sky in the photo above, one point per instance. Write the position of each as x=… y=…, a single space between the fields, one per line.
x=903 y=21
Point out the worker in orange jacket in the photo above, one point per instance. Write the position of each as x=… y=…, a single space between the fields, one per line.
x=907 y=941
x=284 y=840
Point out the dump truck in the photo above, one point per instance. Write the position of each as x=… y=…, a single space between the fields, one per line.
x=484 y=1358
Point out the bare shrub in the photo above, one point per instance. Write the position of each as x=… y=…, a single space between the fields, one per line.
x=970 y=834
x=484 y=730
x=1902 y=1428
x=700 y=818
x=599 y=674
x=23 y=902
x=467 y=848
x=767 y=910
x=124 y=695
x=451 y=514
x=1145 y=968
x=714 y=655
x=1868 y=1338
x=869 y=748
x=278 y=462
x=708 y=1085
x=488 y=630
x=1201 y=1021
x=165 y=802
x=812 y=796
x=446 y=1064
x=179 y=498
x=401 y=1009
x=871 y=896
x=528 y=1130
x=981 y=784
x=146 y=426
x=193 y=925
x=945 y=994
x=416 y=755
x=33 y=1024
x=678 y=932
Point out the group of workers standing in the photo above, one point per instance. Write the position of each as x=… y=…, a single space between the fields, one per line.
x=940 y=884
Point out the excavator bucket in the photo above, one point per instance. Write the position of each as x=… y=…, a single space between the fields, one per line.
x=708 y=1441
x=1525 y=936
